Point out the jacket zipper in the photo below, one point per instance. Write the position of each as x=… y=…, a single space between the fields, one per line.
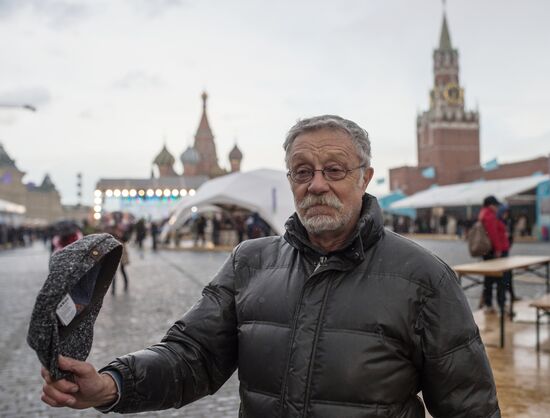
x=322 y=262
x=314 y=348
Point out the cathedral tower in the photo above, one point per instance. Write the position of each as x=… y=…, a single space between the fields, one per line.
x=235 y=158
x=205 y=146
x=165 y=163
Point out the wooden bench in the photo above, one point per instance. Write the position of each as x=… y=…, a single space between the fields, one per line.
x=543 y=308
x=496 y=268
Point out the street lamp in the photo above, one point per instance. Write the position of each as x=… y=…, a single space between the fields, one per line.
x=18 y=106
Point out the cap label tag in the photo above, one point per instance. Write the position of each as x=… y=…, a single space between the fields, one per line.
x=66 y=310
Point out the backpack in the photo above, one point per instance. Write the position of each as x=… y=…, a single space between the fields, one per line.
x=479 y=243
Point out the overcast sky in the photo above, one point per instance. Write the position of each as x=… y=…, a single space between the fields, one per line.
x=113 y=80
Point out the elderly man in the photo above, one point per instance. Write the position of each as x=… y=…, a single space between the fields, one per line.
x=338 y=318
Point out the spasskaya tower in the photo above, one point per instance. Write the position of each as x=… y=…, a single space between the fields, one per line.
x=447 y=134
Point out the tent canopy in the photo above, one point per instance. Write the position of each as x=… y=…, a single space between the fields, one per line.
x=264 y=191
x=469 y=194
x=387 y=200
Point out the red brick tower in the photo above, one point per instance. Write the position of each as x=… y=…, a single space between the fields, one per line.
x=205 y=146
x=447 y=134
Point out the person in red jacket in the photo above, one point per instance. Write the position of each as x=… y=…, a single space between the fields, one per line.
x=496 y=230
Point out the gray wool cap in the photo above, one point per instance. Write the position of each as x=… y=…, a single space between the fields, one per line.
x=62 y=321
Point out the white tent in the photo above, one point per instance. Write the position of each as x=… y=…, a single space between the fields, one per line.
x=264 y=191
x=469 y=194
x=10 y=207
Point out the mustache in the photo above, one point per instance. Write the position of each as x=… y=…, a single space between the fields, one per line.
x=326 y=200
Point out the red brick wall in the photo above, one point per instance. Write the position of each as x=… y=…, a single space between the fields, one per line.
x=409 y=179
x=510 y=170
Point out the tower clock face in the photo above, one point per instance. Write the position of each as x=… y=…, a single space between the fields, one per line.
x=453 y=94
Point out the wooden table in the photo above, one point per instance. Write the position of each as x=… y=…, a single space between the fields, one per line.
x=497 y=267
x=543 y=308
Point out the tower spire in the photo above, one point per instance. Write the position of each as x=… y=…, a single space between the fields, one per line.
x=204 y=130
x=204 y=98
x=445 y=38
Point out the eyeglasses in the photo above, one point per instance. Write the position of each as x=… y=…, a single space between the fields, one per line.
x=335 y=173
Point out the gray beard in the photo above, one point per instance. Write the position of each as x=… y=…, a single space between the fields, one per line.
x=318 y=224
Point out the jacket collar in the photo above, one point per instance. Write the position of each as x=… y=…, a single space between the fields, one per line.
x=369 y=229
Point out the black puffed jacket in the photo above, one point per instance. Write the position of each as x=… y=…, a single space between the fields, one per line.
x=354 y=333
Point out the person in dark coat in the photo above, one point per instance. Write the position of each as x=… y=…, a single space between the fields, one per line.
x=216 y=228
x=338 y=318
x=141 y=233
x=120 y=233
x=155 y=231
x=239 y=228
x=200 y=229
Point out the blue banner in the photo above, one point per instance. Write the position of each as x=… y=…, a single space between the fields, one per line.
x=428 y=173
x=543 y=210
x=490 y=165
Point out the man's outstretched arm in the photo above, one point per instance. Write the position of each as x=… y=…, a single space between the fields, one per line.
x=197 y=355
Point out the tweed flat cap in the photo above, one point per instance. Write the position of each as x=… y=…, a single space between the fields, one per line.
x=62 y=321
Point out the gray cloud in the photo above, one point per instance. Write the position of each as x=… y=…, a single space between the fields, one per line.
x=34 y=96
x=57 y=13
x=7 y=7
x=138 y=80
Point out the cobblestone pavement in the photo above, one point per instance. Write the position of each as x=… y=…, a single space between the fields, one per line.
x=163 y=286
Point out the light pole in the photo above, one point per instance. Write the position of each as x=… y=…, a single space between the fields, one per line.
x=18 y=106
x=79 y=188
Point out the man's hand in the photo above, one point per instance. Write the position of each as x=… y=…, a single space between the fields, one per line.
x=498 y=254
x=90 y=388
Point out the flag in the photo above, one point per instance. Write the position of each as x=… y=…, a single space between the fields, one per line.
x=428 y=173
x=490 y=165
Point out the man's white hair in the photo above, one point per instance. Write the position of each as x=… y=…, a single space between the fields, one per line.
x=358 y=135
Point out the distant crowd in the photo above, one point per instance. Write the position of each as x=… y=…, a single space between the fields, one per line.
x=217 y=229
x=220 y=229
x=212 y=229
x=20 y=236
x=517 y=223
